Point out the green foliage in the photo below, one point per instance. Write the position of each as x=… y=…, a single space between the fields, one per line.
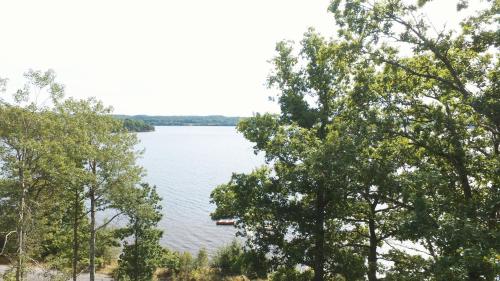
x=105 y=156
x=407 y=267
x=305 y=185
x=137 y=125
x=140 y=258
x=375 y=145
x=170 y=261
x=201 y=258
x=186 y=265
x=7 y=218
x=372 y=145
x=55 y=155
x=54 y=234
x=107 y=247
x=440 y=97
x=29 y=146
x=291 y=274
x=228 y=260
x=233 y=260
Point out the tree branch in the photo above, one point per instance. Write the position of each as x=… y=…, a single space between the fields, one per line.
x=6 y=238
x=110 y=220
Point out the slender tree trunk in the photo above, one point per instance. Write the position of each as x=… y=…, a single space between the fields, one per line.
x=75 y=233
x=319 y=251
x=136 y=254
x=372 y=252
x=92 y=226
x=459 y=162
x=92 y=235
x=20 y=230
x=462 y=172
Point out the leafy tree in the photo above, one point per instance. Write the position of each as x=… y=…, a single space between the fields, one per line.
x=292 y=207
x=106 y=157
x=29 y=150
x=54 y=150
x=374 y=145
x=72 y=115
x=228 y=260
x=233 y=259
x=445 y=97
x=141 y=257
x=376 y=203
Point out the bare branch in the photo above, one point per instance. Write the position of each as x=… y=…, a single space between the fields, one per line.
x=110 y=220
x=6 y=238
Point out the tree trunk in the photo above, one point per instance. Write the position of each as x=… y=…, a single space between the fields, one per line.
x=319 y=251
x=75 y=233
x=136 y=250
x=92 y=235
x=372 y=252
x=459 y=162
x=464 y=181
x=20 y=230
x=92 y=226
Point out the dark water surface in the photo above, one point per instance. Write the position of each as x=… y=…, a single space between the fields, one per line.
x=186 y=163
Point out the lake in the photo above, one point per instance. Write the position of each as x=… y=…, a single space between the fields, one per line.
x=186 y=164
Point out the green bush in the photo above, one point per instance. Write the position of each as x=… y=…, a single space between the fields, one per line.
x=291 y=274
x=233 y=260
x=170 y=260
x=228 y=260
x=201 y=259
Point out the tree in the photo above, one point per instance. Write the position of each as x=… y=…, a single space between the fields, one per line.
x=377 y=204
x=28 y=147
x=374 y=145
x=292 y=207
x=445 y=96
x=106 y=155
x=55 y=153
x=141 y=257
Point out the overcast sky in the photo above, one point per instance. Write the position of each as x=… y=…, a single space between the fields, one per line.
x=165 y=57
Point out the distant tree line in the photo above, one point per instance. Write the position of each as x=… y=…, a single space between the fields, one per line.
x=137 y=125
x=212 y=120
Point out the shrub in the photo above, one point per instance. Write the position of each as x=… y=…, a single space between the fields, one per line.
x=233 y=260
x=291 y=274
x=201 y=259
x=228 y=259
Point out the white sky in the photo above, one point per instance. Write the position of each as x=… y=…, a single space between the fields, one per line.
x=156 y=57
x=182 y=57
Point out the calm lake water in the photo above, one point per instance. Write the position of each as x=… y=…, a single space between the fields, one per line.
x=186 y=164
